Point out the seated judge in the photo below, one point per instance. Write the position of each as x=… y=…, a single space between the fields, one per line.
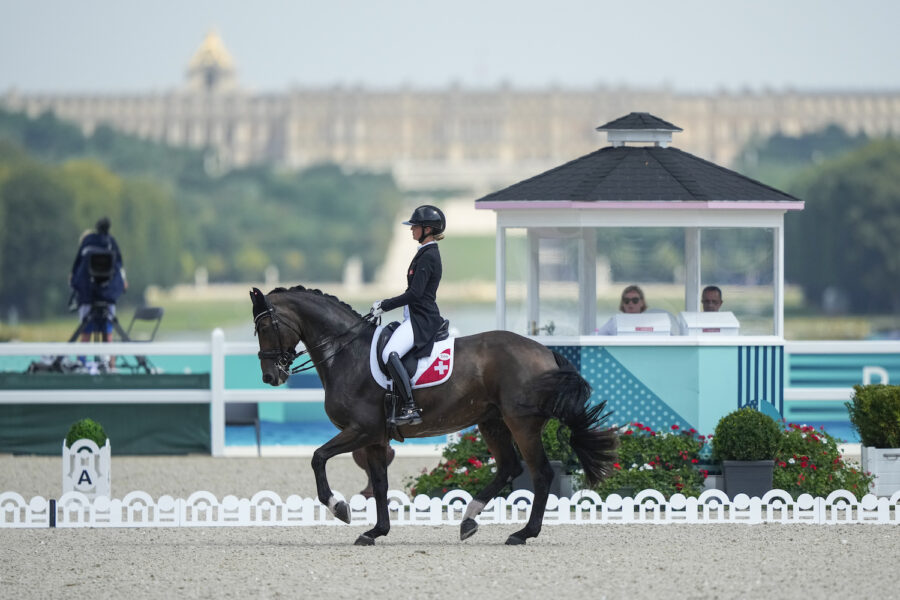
x=632 y=302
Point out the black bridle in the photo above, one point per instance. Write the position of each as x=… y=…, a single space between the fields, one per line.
x=285 y=357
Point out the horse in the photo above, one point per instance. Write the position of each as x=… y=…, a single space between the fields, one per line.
x=506 y=384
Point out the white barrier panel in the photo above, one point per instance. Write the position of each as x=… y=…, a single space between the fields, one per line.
x=267 y=509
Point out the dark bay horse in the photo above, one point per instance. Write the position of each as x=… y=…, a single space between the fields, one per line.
x=506 y=384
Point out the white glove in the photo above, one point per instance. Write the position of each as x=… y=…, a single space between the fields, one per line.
x=376 y=309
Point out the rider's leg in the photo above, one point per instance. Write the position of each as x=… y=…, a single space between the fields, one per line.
x=409 y=412
x=400 y=343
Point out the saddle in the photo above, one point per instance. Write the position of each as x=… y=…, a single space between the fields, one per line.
x=423 y=372
x=410 y=362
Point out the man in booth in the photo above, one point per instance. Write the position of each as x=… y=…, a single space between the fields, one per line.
x=97 y=280
x=711 y=299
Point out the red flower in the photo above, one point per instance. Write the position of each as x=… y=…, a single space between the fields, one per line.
x=675 y=428
x=694 y=461
x=617 y=466
x=475 y=462
x=629 y=432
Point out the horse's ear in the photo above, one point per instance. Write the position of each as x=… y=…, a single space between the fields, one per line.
x=259 y=301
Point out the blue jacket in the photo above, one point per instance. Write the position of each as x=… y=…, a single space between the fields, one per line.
x=87 y=290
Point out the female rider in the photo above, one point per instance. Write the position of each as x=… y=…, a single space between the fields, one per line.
x=422 y=319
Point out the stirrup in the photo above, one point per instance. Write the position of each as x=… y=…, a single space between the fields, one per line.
x=409 y=415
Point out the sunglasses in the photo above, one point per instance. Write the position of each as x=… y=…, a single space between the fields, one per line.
x=631 y=300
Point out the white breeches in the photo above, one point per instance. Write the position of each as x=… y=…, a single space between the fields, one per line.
x=401 y=341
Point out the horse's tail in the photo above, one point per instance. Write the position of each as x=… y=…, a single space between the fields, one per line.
x=568 y=396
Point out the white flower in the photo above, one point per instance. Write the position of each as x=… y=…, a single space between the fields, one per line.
x=791 y=461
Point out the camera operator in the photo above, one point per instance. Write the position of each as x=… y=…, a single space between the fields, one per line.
x=97 y=280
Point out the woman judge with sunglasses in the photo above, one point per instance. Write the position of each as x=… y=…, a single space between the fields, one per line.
x=632 y=302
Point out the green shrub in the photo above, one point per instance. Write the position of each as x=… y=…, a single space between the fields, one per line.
x=667 y=462
x=746 y=434
x=468 y=465
x=875 y=414
x=809 y=462
x=86 y=429
x=557 y=445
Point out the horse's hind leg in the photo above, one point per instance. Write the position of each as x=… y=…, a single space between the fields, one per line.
x=499 y=441
x=528 y=436
x=376 y=463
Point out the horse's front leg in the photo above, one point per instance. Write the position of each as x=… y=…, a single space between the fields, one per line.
x=346 y=441
x=376 y=461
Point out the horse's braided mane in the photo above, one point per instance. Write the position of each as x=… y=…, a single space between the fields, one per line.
x=300 y=288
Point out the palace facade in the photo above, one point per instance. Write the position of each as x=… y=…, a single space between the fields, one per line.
x=471 y=140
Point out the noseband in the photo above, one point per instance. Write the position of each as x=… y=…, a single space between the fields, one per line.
x=284 y=357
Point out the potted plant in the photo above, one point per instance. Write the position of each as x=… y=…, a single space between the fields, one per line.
x=86 y=429
x=875 y=414
x=746 y=442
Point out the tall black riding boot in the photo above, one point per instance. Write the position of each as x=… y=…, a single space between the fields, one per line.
x=409 y=412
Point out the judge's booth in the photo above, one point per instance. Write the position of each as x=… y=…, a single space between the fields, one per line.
x=569 y=241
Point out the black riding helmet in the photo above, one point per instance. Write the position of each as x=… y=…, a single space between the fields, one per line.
x=428 y=216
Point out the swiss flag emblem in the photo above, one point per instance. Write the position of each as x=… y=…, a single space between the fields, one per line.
x=438 y=370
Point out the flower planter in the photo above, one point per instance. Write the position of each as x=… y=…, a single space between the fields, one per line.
x=751 y=477
x=561 y=486
x=884 y=464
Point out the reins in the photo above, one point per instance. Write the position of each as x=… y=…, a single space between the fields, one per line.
x=284 y=358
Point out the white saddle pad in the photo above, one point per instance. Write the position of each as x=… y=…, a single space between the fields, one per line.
x=430 y=371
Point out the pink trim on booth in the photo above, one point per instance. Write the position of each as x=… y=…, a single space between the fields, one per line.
x=640 y=204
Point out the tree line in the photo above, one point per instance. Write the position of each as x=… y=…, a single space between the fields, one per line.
x=171 y=213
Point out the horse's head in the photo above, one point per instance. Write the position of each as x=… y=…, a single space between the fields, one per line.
x=278 y=339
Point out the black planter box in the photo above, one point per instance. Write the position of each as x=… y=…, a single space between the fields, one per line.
x=751 y=477
x=561 y=486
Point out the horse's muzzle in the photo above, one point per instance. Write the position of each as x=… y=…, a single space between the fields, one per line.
x=273 y=378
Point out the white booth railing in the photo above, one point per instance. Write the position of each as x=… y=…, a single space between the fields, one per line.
x=217 y=395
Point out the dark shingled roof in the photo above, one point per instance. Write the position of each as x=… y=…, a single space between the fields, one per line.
x=639 y=173
x=638 y=120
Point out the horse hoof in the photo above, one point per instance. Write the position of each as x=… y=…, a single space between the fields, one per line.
x=364 y=540
x=514 y=541
x=467 y=529
x=342 y=511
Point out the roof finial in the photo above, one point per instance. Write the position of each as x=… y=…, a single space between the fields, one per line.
x=639 y=127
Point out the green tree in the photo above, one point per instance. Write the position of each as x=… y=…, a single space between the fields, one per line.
x=846 y=237
x=36 y=248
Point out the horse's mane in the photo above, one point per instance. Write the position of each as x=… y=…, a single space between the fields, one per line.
x=300 y=288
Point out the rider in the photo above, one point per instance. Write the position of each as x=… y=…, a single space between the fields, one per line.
x=422 y=319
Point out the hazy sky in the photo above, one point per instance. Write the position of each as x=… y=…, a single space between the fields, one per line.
x=689 y=45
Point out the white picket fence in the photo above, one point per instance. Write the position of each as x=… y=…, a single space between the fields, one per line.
x=267 y=509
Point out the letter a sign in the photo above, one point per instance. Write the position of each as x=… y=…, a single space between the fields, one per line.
x=85 y=478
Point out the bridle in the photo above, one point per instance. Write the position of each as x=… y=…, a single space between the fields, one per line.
x=285 y=357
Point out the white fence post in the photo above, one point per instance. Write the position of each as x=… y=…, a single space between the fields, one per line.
x=217 y=389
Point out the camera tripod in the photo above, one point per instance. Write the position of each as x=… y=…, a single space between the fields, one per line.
x=99 y=316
